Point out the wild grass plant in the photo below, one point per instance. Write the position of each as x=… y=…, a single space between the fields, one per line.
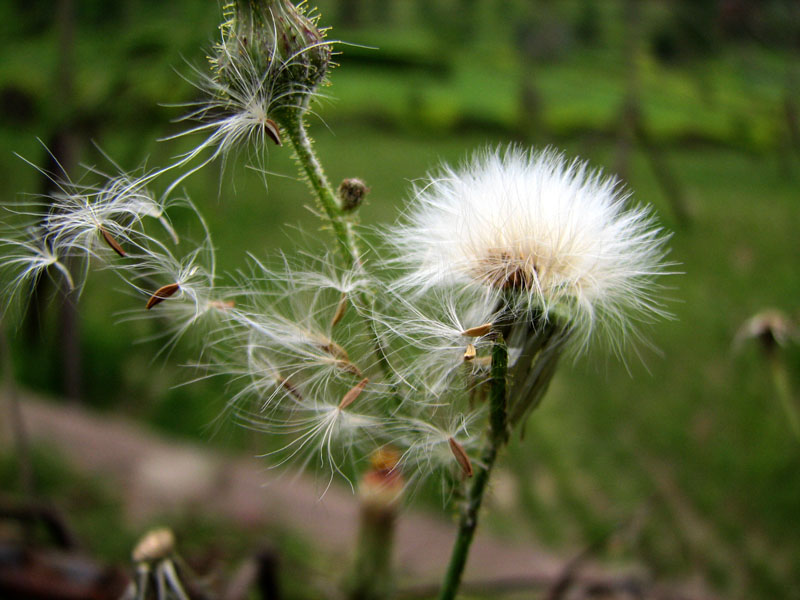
x=425 y=350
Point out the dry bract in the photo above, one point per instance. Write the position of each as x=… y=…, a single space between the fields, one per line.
x=470 y=352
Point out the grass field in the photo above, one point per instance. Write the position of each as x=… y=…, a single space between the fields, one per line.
x=684 y=456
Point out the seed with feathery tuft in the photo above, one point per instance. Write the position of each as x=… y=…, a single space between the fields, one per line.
x=353 y=393
x=222 y=304
x=478 y=331
x=161 y=294
x=461 y=457
x=272 y=130
x=341 y=308
x=112 y=242
x=290 y=388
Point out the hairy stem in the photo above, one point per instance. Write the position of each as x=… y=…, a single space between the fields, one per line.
x=498 y=435
x=330 y=205
x=326 y=199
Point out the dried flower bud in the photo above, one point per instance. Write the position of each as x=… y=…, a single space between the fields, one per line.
x=351 y=193
x=382 y=484
x=155 y=545
x=771 y=327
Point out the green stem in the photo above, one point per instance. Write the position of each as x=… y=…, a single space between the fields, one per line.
x=330 y=205
x=323 y=192
x=371 y=578
x=498 y=435
x=783 y=389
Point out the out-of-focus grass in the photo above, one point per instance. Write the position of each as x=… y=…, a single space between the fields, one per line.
x=690 y=454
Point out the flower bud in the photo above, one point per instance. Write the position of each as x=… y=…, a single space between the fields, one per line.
x=351 y=193
x=274 y=46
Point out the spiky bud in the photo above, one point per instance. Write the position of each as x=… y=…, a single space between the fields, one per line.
x=276 y=44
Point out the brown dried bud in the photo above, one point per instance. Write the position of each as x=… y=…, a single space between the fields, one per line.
x=351 y=193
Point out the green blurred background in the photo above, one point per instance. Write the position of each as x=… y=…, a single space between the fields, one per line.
x=695 y=103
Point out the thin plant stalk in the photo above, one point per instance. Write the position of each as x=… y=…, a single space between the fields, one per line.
x=372 y=575
x=497 y=438
x=323 y=192
x=331 y=207
x=783 y=389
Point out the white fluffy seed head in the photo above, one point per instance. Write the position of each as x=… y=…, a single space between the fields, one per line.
x=555 y=236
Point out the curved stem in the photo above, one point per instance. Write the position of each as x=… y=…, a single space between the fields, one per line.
x=498 y=435
x=330 y=205
x=323 y=192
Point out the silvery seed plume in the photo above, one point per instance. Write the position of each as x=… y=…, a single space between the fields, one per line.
x=558 y=239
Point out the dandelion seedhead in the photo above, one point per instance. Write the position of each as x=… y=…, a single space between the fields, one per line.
x=554 y=236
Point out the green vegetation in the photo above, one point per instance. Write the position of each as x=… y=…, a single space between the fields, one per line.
x=685 y=456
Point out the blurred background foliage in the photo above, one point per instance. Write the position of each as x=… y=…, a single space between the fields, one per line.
x=694 y=102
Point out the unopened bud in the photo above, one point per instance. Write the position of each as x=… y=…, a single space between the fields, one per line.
x=351 y=193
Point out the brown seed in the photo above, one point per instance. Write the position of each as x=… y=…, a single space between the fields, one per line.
x=112 y=242
x=165 y=291
x=353 y=393
x=340 y=354
x=470 y=353
x=340 y=310
x=348 y=367
x=290 y=388
x=461 y=457
x=271 y=127
x=477 y=331
x=334 y=349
